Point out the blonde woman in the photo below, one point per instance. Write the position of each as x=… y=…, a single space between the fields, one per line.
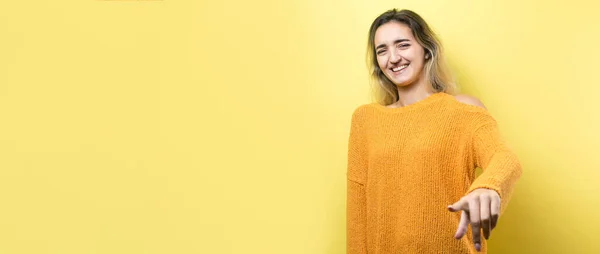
x=412 y=155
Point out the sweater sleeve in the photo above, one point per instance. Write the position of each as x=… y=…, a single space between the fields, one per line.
x=356 y=220
x=501 y=167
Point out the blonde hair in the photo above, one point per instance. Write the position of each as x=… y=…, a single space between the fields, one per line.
x=436 y=69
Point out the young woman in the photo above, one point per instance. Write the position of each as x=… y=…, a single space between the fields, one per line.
x=412 y=156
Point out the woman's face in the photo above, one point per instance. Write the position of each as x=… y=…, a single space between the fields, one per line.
x=399 y=55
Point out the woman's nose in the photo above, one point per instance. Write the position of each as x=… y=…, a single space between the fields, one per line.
x=395 y=57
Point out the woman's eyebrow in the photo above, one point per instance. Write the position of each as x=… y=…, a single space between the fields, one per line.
x=396 y=41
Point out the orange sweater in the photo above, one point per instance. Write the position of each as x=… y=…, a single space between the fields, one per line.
x=407 y=164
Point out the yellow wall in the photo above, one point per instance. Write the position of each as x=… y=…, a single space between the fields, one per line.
x=221 y=127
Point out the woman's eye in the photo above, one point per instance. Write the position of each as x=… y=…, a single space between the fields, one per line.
x=403 y=45
x=380 y=52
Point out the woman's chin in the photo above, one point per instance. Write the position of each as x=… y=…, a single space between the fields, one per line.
x=401 y=82
x=400 y=79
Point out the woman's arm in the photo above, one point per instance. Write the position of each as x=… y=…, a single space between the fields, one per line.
x=501 y=167
x=356 y=220
x=488 y=196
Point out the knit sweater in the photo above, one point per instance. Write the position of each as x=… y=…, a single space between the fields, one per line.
x=407 y=164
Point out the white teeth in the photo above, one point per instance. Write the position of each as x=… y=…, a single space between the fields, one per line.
x=399 y=68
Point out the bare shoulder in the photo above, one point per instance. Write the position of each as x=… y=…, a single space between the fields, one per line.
x=470 y=100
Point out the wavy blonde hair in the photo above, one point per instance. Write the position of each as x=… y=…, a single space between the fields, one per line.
x=436 y=69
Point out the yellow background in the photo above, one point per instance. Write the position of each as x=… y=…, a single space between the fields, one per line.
x=221 y=126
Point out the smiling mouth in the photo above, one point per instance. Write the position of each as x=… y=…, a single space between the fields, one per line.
x=399 y=68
